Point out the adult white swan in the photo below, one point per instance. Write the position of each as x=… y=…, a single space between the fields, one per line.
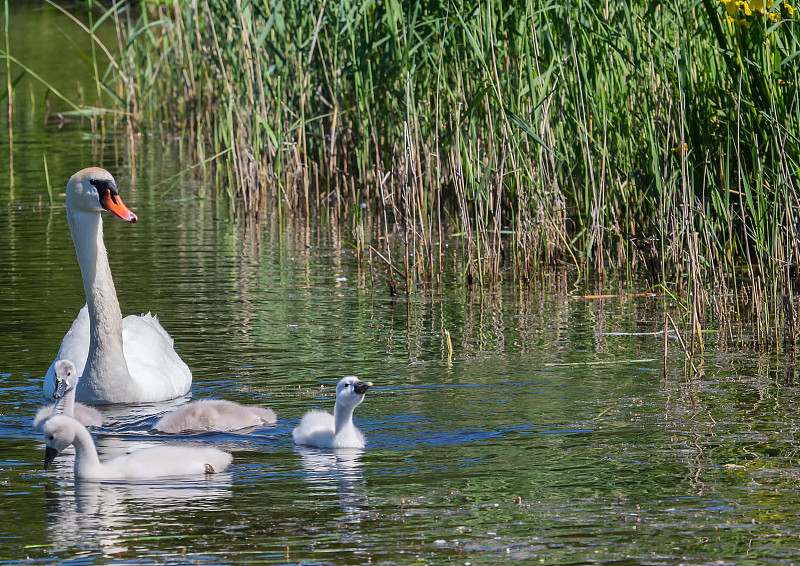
x=61 y=431
x=121 y=361
x=325 y=430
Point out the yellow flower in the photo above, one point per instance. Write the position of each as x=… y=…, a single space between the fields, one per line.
x=757 y=5
x=744 y=7
x=731 y=8
x=775 y=17
x=789 y=9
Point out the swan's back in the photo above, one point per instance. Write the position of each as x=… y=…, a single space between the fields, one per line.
x=87 y=416
x=74 y=347
x=217 y=415
x=315 y=429
x=154 y=365
x=162 y=461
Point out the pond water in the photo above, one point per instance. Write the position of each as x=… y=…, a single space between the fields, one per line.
x=552 y=434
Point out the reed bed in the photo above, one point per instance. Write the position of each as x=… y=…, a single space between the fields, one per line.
x=656 y=143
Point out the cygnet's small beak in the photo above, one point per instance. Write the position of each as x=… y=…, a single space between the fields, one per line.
x=361 y=387
x=50 y=454
x=61 y=388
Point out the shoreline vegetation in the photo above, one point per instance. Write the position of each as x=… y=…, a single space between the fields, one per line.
x=654 y=144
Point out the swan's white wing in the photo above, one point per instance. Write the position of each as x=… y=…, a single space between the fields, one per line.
x=157 y=369
x=165 y=461
x=315 y=429
x=87 y=416
x=74 y=347
x=42 y=415
x=213 y=414
x=84 y=414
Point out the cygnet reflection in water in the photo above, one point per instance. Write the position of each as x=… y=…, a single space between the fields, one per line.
x=323 y=430
x=339 y=471
x=111 y=512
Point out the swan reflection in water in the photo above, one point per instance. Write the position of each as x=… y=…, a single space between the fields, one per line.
x=337 y=470
x=107 y=514
x=104 y=515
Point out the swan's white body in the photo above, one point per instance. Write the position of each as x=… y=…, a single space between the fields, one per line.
x=325 y=430
x=61 y=431
x=212 y=414
x=67 y=378
x=121 y=361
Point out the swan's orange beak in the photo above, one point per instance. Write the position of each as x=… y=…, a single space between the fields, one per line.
x=112 y=203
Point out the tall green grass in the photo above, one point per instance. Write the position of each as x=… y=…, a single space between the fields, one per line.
x=656 y=142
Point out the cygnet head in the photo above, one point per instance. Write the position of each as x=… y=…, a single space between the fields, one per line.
x=59 y=432
x=94 y=189
x=66 y=377
x=350 y=391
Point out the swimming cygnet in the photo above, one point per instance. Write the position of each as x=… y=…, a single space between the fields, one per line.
x=321 y=429
x=212 y=414
x=66 y=378
x=60 y=431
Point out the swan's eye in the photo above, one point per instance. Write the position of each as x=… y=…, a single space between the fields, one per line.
x=106 y=186
x=52 y=437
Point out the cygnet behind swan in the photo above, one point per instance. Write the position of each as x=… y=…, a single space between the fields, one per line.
x=323 y=430
x=66 y=381
x=214 y=414
x=61 y=431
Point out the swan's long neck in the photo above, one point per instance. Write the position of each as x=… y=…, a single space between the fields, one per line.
x=106 y=357
x=87 y=463
x=343 y=417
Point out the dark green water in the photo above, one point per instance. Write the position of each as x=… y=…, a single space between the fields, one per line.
x=551 y=437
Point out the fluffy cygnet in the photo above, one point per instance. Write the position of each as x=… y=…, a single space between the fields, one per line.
x=321 y=429
x=66 y=382
x=215 y=415
x=61 y=431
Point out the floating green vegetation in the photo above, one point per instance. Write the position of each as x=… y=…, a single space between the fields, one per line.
x=654 y=143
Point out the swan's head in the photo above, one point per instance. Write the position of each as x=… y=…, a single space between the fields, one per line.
x=59 y=432
x=350 y=390
x=66 y=378
x=94 y=189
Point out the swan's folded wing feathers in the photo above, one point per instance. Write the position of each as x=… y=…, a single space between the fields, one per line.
x=88 y=416
x=213 y=414
x=74 y=347
x=42 y=415
x=162 y=461
x=267 y=416
x=315 y=429
x=145 y=341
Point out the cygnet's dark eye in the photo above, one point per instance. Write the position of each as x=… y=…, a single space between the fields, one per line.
x=52 y=437
x=347 y=385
